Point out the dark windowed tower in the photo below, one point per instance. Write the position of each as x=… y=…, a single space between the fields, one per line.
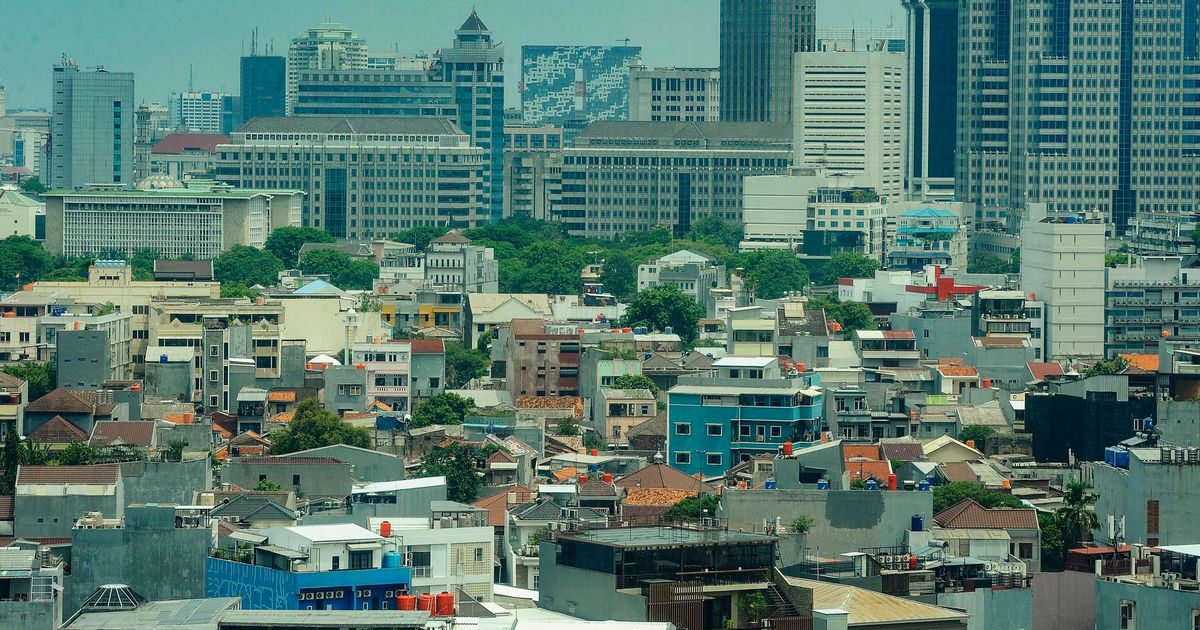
x=759 y=39
x=932 y=108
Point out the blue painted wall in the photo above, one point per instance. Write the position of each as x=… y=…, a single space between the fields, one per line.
x=263 y=588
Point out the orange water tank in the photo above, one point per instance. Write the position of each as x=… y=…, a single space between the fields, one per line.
x=595 y=452
x=10 y=314
x=583 y=478
x=1006 y=484
x=385 y=529
x=607 y=477
x=971 y=443
x=444 y=605
x=824 y=437
x=891 y=482
x=799 y=367
x=987 y=383
x=788 y=449
x=912 y=562
x=406 y=602
x=425 y=602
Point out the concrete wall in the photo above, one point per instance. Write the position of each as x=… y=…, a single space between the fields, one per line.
x=198 y=436
x=168 y=381
x=1064 y=601
x=338 y=402
x=843 y=520
x=54 y=516
x=588 y=595
x=149 y=554
x=1122 y=492
x=1006 y=609
x=165 y=482
x=1156 y=609
x=27 y=615
x=316 y=480
x=83 y=360
x=367 y=465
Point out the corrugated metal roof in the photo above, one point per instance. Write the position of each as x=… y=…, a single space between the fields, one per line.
x=869 y=607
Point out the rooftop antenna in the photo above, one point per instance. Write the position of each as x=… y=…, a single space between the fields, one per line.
x=191 y=87
x=624 y=39
x=254 y=42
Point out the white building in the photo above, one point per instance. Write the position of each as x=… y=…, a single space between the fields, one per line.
x=849 y=116
x=330 y=547
x=1062 y=263
x=452 y=549
x=326 y=46
x=197 y=112
x=694 y=274
x=451 y=261
x=674 y=94
x=19 y=214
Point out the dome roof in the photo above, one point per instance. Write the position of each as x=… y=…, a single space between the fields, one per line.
x=158 y=182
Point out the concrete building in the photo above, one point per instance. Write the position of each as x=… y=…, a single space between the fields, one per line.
x=317 y=155
x=183 y=156
x=775 y=207
x=694 y=274
x=14 y=395
x=326 y=46
x=197 y=112
x=540 y=361
x=674 y=94
x=1146 y=495
x=1152 y=297
x=759 y=41
x=21 y=215
x=532 y=170
x=374 y=92
x=91 y=127
x=1157 y=598
x=844 y=220
x=453 y=263
x=586 y=82
x=387 y=364
x=176 y=222
x=991 y=535
x=1062 y=264
x=87 y=349
x=747 y=407
x=1164 y=234
x=32 y=585
x=632 y=176
x=1077 y=420
x=928 y=236
x=263 y=80
x=485 y=311
x=850 y=116
x=933 y=32
x=345 y=389
x=452 y=549
x=49 y=499
x=312 y=477
x=616 y=411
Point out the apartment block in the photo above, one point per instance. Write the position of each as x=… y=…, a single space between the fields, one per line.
x=91 y=127
x=532 y=170
x=541 y=362
x=674 y=94
x=326 y=46
x=1151 y=298
x=1062 y=264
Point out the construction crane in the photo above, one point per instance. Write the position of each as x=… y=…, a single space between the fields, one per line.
x=624 y=39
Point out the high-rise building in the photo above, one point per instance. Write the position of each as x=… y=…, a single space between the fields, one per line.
x=197 y=112
x=231 y=113
x=532 y=170
x=374 y=93
x=674 y=94
x=560 y=83
x=363 y=177
x=1079 y=104
x=633 y=176
x=1062 y=263
x=474 y=66
x=932 y=106
x=264 y=86
x=91 y=127
x=849 y=116
x=326 y=46
x=758 y=41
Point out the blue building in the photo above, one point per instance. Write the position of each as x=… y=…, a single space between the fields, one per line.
x=927 y=236
x=748 y=407
x=309 y=567
x=564 y=83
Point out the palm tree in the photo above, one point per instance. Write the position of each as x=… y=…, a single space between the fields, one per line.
x=1077 y=517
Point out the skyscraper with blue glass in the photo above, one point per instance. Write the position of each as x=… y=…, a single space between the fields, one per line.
x=561 y=83
x=91 y=127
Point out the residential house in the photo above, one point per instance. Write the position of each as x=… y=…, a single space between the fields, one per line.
x=650 y=435
x=82 y=408
x=991 y=534
x=366 y=465
x=137 y=434
x=308 y=477
x=252 y=511
x=451 y=549
x=693 y=273
x=14 y=395
x=49 y=499
x=1158 y=598
x=886 y=348
x=427 y=369
x=30 y=588
x=485 y=311
x=58 y=432
x=529 y=524
x=541 y=362
x=616 y=411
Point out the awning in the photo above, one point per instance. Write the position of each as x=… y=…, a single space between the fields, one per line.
x=811 y=393
x=286 y=553
x=367 y=546
x=248 y=537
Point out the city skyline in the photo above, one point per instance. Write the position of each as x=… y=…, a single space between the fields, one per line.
x=205 y=40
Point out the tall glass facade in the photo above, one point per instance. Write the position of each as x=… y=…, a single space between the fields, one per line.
x=560 y=83
x=264 y=85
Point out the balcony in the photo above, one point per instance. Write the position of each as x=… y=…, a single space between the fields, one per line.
x=388 y=390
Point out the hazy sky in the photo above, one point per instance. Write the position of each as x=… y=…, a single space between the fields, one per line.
x=157 y=39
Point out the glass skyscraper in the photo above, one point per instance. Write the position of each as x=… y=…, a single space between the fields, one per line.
x=759 y=40
x=932 y=108
x=264 y=85
x=562 y=83
x=91 y=127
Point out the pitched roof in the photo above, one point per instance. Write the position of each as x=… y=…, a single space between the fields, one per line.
x=452 y=236
x=866 y=607
x=1043 y=371
x=864 y=470
x=58 y=430
x=663 y=476
x=597 y=488
x=247 y=507
x=9 y=381
x=134 y=433
x=497 y=504
x=656 y=496
x=474 y=24
x=957 y=370
x=63 y=400
x=6 y=508
x=654 y=426
x=869 y=451
x=282 y=396
x=969 y=514
x=427 y=346
x=903 y=451
x=1144 y=362
x=56 y=475
x=181 y=142
x=958 y=471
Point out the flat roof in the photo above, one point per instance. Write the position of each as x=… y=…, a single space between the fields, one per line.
x=743 y=361
x=327 y=618
x=665 y=536
x=403 y=484
x=333 y=533
x=1187 y=550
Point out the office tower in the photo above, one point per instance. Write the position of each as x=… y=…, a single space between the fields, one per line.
x=849 y=117
x=231 y=113
x=932 y=106
x=1079 y=104
x=674 y=94
x=632 y=176
x=263 y=86
x=374 y=93
x=1062 y=263
x=532 y=170
x=91 y=127
x=559 y=83
x=363 y=177
x=326 y=46
x=197 y=112
x=474 y=66
x=758 y=41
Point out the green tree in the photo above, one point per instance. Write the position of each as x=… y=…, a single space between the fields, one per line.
x=567 y=427
x=41 y=376
x=266 y=485
x=457 y=463
x=484 y=341
x=330 y=262
x=665 y=306
x=858 y=483
x=77 y=454
x=63 y=274
x=752 y=605
x=420 y=236
x=34 y=453
x=619 y=275
x=34 y=185
x=444 y=408
x=1106 y=367
x=174 y=451
x=801 y=524
x=989 y=263
x=772 y=273
x=285 y=242
x=847 y=265
x=108 y=308
x=1054 y=551
x=248 y=266
x=1115 y=260
x=949 y=494
x=692 y=508
x=551 y=267
x=237 y=290
x=715 y=230
x=464 y=364
x=979 y=433
x=11 y=459
x=635 y=381
x=313 y=427
x=359 y=275
x=1077 y=517
x=22 y=260
x=851 y=316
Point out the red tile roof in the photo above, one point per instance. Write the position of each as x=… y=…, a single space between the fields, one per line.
x=6 y=508
x=656 y=496
x=968 y=514
x=281 y=396
x=497 y=504
x=63 y=400
x=428 y=346
x=1144 y=362
x=905 y=452
x=958 y=370
x=869 y=451
x=102 y=474
x=958 y=471
x=1043 y=371
x=663 y=476
x=183 y=142
x=863 y=470
x=180 y=418
x=291 y=460
x=8 y=381
x=898 y=334
x=58 y=430
x=135 y=433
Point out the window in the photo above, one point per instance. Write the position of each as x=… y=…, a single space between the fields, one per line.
x=683 y=458
x=1195 y=619
x=295 y=480
x=336 y=563
x=1128 y=615
x=213 y=376
x=683 y=428
x=714 y=429
x=714 y=459
x=360 y=559
x=1025 y=551
x=776 y=432
x=262 y=477
x=214 y=351
x=212 y=401
x=479 y=554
